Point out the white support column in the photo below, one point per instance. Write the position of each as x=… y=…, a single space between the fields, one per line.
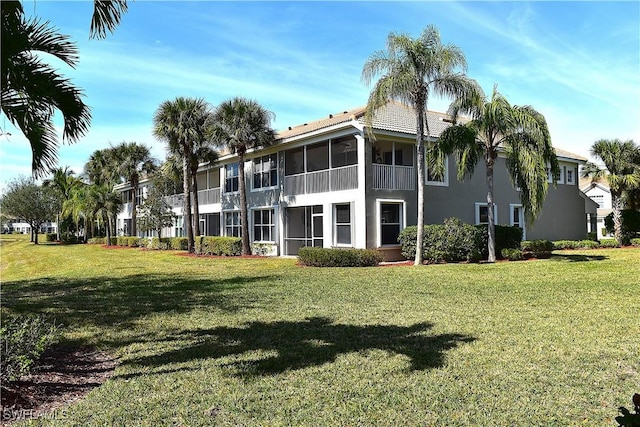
x=360 y=203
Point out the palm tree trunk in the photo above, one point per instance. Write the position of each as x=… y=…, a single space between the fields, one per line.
x=107 y=229
x=196 y=207
x=246 y=248
x=134 y=210
x=58 y=226
x=616 y=204
x=420 y=168
x=491 y=244
x=186 y=181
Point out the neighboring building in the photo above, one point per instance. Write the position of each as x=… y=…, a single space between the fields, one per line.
x=15 y=226
x=325 y=184
x=599 y=192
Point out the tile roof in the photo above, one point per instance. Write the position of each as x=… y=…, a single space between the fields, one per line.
x=393 y=117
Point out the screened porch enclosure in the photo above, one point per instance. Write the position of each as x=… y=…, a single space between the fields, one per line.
x=303 y=227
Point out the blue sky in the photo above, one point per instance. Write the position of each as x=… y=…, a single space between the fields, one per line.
x=578 y=63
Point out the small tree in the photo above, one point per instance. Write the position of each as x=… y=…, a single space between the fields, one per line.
x=155 y=211
x=29 y=202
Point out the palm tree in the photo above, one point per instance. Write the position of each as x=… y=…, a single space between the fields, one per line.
x=133 y=162
x=495 y=126
x=411 y=70
x=102 y=167
x=104 y=203
x=622 y=171
x=106 y=16
x=240 y=124
x=182 y=124
x=33 y=90
x=64 y=184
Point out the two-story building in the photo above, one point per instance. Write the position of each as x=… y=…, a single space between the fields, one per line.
x=326 y=183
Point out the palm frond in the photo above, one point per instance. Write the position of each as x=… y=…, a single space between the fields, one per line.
x=107 y=15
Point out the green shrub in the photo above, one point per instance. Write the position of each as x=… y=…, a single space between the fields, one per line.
x=218 y=245
x=630 y=224
x=51 y=237
x=592 y=236
x=179 y=243
x=97 y=240
x=512 y=254
x=609 y=243
x=122 y=240
x=114 y=241
x=565 y=244
x=23 y=340
x=161 y=244
x=588 y=244
x=68 y=239
x=335 y=257
x=635 y=241
x=134 y=241
x=538 y=248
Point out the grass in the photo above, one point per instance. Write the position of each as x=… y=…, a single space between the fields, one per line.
x=266 y=342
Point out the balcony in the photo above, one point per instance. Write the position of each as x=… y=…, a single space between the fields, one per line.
x=324 y=181
x=393 y=177
x=209 y=197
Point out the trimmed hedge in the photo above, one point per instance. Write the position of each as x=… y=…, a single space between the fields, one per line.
x=512 y=254
x=538 y=248
x=179 y=243
x=51 y=237
x=218 y=245
x=97 y=240
x=160 y=244
x=455 y=241
x=575 y=244
x=131 y=241
x=609 y=243
x=335 y=257
x=635 y=242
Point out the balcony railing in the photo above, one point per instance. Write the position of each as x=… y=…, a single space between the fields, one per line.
x=391 y=177
x=209 y=197
x=324 y=181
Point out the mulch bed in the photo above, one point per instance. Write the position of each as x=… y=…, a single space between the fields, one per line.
x=65 y=375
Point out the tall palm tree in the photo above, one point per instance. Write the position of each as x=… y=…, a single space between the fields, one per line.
x=411 y=69
x=495 y=125
x=241 y=124
x=64 y=183
x=33 y=90
x=621 y=160
x=102 y=167
x=104 y=203
x=134 y=161
x=183 y=124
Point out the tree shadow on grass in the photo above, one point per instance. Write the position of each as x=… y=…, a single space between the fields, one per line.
x=108 y=301
x=577 y=257
x=292 y=345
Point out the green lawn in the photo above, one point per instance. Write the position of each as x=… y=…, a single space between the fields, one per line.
x=266 y=342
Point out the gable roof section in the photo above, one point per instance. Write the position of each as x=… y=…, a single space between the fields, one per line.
x=393 y=117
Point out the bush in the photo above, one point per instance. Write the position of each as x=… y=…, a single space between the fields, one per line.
x=592 y=236
x=113 y=241
x=68 y=239
x=160 y=244
x=588 y=244
x=51 y=237
x=565 y=244
x=179 y=243
x=334 y=257
x=23 y=340
x=97 y=241
x=635 y=242
x=512 y=254
x=121 y=240
x=134 y=241
x=538 y=248
x=609 y=243
x=630 y=224
x=449 y=242
x=218 y=245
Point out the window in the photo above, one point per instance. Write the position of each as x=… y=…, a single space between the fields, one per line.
x=232 y=224
x=263 y=225
x=212 y=224
x=390 y=223
x=265 y=171
x=177 y=226
x=342 y=225
x=231 y=178
x=549 y=175
x=294 y=161
x=317 y=157
x=304 y=227
x=599 y=199
x=516 y=217
x=482 y=213
x=435 y=180
x=570 y=176
x=344 y=152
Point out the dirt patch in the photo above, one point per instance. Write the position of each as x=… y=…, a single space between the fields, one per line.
x=65 y=375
